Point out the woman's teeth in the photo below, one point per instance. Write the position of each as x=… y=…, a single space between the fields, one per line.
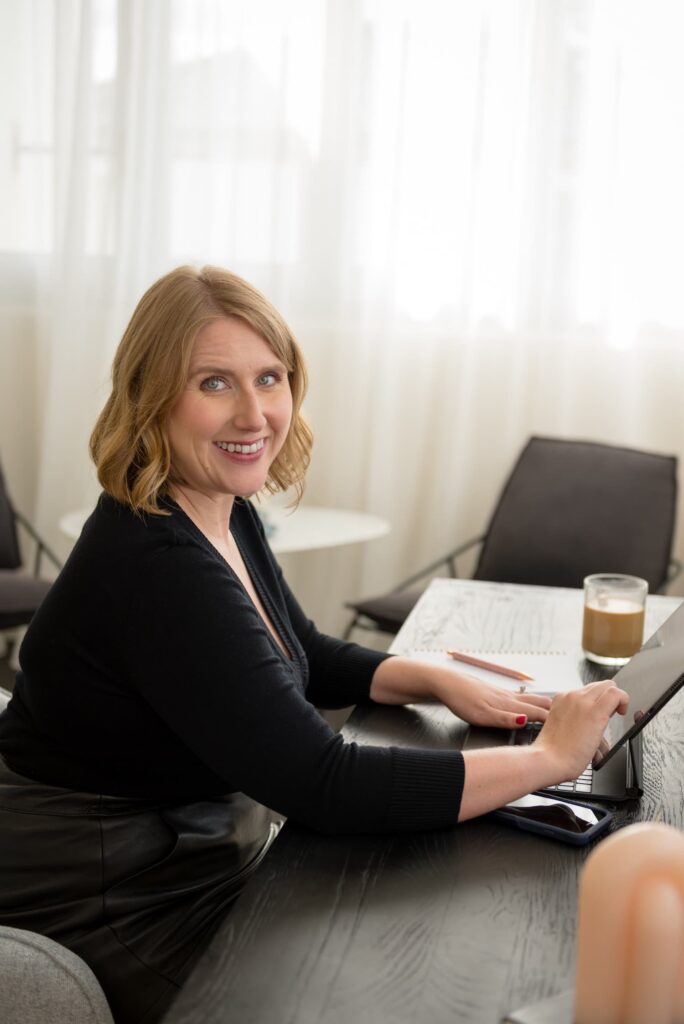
x=242 y=449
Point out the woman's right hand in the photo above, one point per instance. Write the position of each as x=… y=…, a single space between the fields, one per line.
x=570 y=737
x=575 y=725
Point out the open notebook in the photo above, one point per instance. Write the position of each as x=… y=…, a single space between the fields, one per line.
x=552 y=672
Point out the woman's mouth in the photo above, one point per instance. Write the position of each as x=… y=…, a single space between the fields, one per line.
x=241 y=449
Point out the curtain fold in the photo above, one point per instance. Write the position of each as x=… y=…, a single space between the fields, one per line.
x=470 y=213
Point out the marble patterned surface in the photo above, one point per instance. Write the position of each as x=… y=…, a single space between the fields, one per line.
x=505 y=618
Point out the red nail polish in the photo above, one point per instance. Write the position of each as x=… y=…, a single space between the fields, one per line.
x=520 y=719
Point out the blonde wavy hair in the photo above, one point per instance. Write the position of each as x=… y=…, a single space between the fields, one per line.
x=129 y=444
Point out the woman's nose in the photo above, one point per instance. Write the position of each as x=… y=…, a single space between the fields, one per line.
x=248 y=412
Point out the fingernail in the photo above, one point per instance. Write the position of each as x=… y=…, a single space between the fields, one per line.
x=520 y=719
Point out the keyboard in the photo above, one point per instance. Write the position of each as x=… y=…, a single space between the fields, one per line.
x=580 y=786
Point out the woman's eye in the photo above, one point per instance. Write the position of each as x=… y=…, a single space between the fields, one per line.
x=267 y=379
x=213 y=384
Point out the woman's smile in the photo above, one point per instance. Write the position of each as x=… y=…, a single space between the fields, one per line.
x=244 y=448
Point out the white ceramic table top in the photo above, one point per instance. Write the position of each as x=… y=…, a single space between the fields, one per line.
x=306 y=529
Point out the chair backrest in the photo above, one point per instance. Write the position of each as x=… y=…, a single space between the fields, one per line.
x=10 y=556
x=42 y=982
x=571 y=508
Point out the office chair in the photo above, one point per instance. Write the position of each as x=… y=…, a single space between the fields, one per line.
x=42 y=982
x=20 y=594
x=568 y=509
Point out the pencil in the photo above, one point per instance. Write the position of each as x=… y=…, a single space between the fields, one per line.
x=470 y=660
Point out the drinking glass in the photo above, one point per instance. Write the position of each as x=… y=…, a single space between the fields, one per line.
x=613 y=627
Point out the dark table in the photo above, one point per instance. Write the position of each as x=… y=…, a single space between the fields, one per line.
x=463 y=924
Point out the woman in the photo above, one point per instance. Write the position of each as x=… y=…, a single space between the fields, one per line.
x=168 y=682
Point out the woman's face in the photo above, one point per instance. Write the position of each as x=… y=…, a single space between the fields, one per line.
x=233 y=416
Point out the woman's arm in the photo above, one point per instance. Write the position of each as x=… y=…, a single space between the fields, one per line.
x=405 y=681
x=563 y=749
x=574 y=727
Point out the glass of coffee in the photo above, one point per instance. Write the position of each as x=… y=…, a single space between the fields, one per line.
x=614 y=606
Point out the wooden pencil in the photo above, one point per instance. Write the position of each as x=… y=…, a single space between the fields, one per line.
x=468 y=659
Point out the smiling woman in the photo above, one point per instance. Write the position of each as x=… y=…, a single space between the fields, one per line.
x=232 y=419
x=166 y=714
x=179 y=343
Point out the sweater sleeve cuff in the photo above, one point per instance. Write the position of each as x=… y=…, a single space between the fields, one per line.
x=363 y=663
x=349 y=677
x=427 y=786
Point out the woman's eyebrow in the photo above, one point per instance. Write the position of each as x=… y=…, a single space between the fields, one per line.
x=209 y=369
x=227 y=371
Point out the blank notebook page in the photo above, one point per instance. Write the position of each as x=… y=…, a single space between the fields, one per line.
x=551 y=672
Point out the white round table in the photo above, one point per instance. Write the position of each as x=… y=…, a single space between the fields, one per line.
x=307 y=528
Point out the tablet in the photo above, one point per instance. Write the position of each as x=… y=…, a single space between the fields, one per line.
x=651 y=678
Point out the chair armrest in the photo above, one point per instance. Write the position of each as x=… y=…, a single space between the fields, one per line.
x=448 y=560
x=41 y=545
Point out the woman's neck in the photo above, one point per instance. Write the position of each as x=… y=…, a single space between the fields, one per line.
x=209 y=513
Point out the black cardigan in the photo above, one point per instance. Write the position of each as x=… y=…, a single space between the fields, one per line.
x=148 y=672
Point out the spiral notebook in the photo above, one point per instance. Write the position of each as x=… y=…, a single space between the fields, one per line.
x=551 y=671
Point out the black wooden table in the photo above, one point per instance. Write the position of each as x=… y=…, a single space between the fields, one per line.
x=464 y=924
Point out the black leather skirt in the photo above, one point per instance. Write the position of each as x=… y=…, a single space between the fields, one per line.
x=133 y=887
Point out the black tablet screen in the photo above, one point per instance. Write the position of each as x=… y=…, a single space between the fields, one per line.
x=651 y=678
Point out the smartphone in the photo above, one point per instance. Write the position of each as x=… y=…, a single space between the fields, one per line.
x=567 y=820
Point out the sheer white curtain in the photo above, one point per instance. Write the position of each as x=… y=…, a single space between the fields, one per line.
x=470 y=212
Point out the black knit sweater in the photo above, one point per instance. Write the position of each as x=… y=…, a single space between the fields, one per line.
x=148 y=672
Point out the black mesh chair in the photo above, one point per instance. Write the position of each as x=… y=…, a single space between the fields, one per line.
x=568 y=509
x=20 y=593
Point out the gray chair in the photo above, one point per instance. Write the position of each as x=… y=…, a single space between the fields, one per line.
x=42 y=982
x=20 y=593
x=568 y=509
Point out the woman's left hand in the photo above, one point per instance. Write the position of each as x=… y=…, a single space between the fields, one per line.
x=481 y=703
x=404 y=681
